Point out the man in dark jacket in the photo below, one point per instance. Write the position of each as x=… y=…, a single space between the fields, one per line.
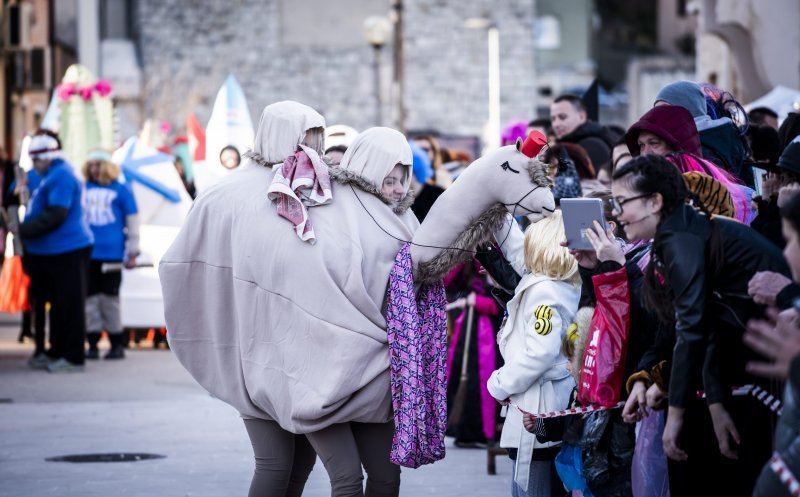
x=571 y=125
x=58 y=243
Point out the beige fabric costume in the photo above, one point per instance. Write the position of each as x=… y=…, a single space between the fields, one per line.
x=274 y=326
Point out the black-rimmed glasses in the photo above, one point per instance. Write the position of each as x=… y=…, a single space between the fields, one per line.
x=616 y=203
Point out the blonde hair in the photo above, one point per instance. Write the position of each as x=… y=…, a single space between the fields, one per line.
x=543 y=251
x=108 y=171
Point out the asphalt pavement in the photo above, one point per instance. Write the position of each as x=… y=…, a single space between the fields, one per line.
x=148 y=404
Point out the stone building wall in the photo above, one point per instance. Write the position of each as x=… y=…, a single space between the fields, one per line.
x=188 y=47
x=446 y=64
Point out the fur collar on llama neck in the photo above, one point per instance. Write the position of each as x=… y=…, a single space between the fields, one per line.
x=478 y=234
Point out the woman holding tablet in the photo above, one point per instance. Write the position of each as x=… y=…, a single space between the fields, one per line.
x=696 y=280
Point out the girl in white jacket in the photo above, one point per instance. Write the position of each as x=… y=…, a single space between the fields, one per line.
x=535 y=377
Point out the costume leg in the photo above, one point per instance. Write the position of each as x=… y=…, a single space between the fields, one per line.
x=304 y=459
x=274 y=450
x=336 y=446
x=374 y=441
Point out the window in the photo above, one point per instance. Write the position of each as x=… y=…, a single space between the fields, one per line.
x=547 y=33
x=117 y=19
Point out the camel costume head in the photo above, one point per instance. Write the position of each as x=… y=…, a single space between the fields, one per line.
x=510 y=179
x=294 y=331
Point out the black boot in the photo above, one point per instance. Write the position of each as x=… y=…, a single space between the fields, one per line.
x=117 y=350
x=93 y=337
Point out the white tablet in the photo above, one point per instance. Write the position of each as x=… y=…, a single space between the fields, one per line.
x=579 y=215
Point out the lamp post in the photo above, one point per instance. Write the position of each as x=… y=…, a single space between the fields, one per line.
x=376 y=31
x=493 y=76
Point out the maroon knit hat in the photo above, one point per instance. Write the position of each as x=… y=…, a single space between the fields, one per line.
x=673 y=124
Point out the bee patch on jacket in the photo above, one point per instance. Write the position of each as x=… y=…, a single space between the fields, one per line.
x=544 y=316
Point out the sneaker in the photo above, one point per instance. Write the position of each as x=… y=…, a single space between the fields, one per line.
x=39 y=361
x=93 y=353
x=64 y=366
x=115 y=353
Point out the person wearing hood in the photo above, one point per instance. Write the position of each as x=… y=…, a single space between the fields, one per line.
x=286 y=321
x=662 y=130
x=719 y=137
x=670 y=131
x=58 y=243
x=379 y=165
x=287 y=131
x=571 y=125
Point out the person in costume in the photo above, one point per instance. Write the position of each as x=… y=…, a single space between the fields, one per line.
x=378 y=163
x=534 y=377
x=221 y=340
x=113 y=218
x=285 y=321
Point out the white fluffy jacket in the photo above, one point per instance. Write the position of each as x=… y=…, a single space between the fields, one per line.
x=534 y=376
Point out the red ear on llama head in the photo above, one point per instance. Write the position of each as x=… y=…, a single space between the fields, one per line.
x=533 y=144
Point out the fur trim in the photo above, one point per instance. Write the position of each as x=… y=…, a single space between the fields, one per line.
x=538 y=173
x=258 y=159
x=638 y=376
x=583 y=318
x=346 y=177
x=478 y=234
x=657 y=373
x=263 y=162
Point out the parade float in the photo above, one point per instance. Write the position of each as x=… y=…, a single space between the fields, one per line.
x=163 y=204
x=82 y=113
x=230 y=125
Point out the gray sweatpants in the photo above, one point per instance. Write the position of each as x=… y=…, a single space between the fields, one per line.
x=102 y=313
x=283 y=460
x=344 y=448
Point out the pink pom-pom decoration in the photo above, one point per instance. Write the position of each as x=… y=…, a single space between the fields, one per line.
x=65 y=91
x=86 y=92
x=103 y=87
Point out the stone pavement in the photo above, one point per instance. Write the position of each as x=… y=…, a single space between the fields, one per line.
x=147 y=403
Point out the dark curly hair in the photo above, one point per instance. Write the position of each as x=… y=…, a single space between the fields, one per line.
x=651 y=174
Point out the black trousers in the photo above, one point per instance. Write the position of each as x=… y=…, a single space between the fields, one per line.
x=100 y=282
x=706 y=472
x=65 y=277
x=38 y=296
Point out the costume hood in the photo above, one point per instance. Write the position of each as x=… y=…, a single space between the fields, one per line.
x=282 y=127
x=374 y=153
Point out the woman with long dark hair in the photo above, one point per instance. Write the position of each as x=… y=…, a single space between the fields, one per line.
x=697 y=280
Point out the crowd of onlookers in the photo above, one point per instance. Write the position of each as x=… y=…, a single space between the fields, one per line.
x=700 y=199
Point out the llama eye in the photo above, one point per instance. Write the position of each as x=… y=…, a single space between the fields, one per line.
x=506 y=167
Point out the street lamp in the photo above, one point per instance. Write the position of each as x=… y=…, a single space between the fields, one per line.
x=376 y=31
x=493 y=70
